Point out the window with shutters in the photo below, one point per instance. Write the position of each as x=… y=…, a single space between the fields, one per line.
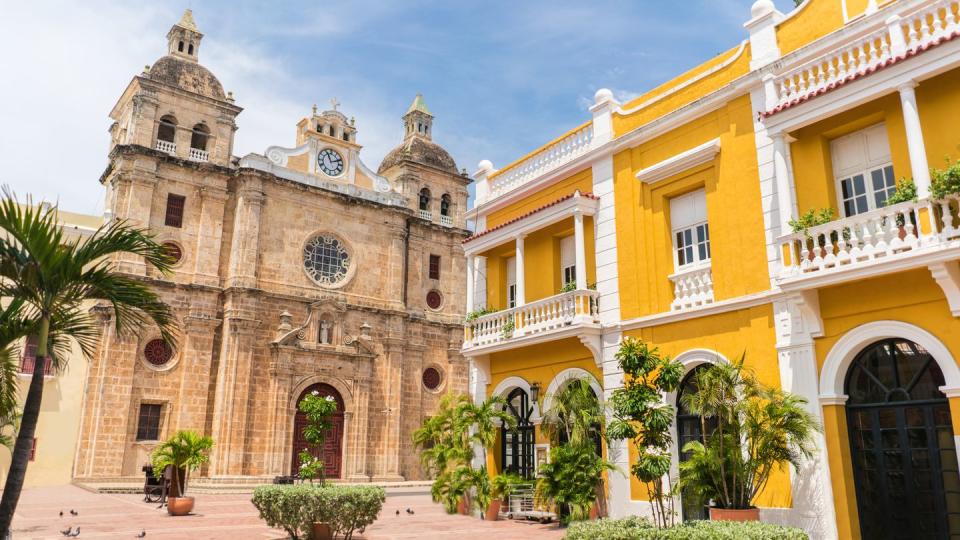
x=568 y=261
x=434 y=267
x=511 y=282
x=148 y=424
x=29 y=359
x=863 y=170
x=174 y=214
x=691 y=233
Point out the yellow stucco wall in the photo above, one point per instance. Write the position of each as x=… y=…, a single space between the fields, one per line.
x=582 y=180
x=644 y=243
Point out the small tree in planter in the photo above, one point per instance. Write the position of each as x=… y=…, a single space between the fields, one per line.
x=759 y=429
x=318 y=410
x=186 y=451
x=570 y=479
x=640 y=415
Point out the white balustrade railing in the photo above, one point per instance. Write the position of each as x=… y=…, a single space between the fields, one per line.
x=197 y=154
x=426 y=214
x=547 y=159
x=884 y=234
x=873 y=48
x=692 y=288
x=166 y=146
x=544 y=315
x=446 y=221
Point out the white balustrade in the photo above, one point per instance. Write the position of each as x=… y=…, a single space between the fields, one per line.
x=544 y=315
x=426 y=214
x=167 y=146
x=446 y=221
x=872 y=49
x=544 y=161
x=197 y=154
x=692 y=288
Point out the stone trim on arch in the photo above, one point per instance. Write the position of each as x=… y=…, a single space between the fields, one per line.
x=510 y=383
x=565 y=376
x=841 y=356
x=346 y=393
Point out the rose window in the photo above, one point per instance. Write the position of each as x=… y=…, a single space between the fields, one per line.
x=432 y=378
x=157 y=352
x=326 y=259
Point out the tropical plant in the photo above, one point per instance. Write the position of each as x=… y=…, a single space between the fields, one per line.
x=53 y=277
x=569 y=481
x=479 y=313
x=295 y=509
x=641 y=415
x=9 y=424
x=759 y=429
x=575 y=415
x=906 y=190
x=479 y=480
x=812 y=218
x=186 y=451
x=507 y=329
x=504 y=484
x=945 y=182
x=318 y=410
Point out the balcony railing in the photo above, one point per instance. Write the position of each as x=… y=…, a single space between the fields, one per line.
x=446 y=221
x=692 y=288
x=425 y=214
x=544 y=161
x=891 y=234
x=167 y=146
x=542 y=316
x=197 y=154
x=909 y=30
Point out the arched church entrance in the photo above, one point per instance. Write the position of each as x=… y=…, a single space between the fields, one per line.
x=332 y=451
x=901 y=443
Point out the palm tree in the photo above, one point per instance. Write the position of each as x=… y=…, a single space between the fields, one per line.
x=576 y=413
x=186 y=451
x=53 y=277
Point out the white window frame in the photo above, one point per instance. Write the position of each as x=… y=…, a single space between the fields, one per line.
x=568 y=261
x=870 y=149
x=692 y=226
x=511 y=282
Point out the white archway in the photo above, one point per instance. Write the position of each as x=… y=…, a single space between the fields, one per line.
x=511 y=383
x=563 y=378
x=841 y=356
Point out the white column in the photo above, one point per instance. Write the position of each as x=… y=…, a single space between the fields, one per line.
x=471 y=286
x=781 y=170
x=580 y=250
x=918 y=153
x=521 y=298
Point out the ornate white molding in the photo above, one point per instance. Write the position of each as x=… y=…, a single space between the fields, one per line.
x=947 y=276
x=683 y=161
x=566 y=376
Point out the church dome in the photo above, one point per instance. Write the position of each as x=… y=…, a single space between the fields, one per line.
x=186 y=75
x=419 y=150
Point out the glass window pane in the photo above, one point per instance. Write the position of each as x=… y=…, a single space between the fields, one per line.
x=845 y=188
x=858 y=185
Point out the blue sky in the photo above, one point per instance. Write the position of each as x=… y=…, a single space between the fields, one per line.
x=500 y=77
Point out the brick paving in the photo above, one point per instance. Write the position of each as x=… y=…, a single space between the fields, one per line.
x=233 y=517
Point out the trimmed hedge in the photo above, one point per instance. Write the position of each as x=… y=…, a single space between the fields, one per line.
x=634 y=528
x=295 y=508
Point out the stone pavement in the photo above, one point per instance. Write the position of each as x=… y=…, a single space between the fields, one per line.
x=233 y=517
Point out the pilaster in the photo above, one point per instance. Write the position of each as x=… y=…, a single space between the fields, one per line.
x=209 y=234
x=246 y=235
x=231 y=401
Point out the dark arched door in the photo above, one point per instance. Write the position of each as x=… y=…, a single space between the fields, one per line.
x=690 y=427
x=901 y=442
x=516 y=446
x=332 y=451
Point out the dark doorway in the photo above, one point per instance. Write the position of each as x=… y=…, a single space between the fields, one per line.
x=516 y=450
x=901 y=443
x=690 y=427
x=332 y=451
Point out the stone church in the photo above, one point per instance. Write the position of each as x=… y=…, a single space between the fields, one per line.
x=298 y=269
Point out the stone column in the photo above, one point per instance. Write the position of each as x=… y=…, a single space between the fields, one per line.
x=246 y=236
x=387 y=467
x=357 y=460
x=471 y=275
x=580 y=250
x=209 y=237
x=137 y=204
x=280 y=413
x=521 y=291
x=194 y=372
x=479 y=378
x=785 y=195
x=918 y=153
x=232 y=396
x=90 y=417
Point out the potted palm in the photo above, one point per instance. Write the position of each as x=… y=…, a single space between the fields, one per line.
x=186 y=451
x=759 y=429
x=501 y=486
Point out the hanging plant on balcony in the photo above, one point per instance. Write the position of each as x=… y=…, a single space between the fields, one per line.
x=508 y=327
x=477 y=313
x=906 y=191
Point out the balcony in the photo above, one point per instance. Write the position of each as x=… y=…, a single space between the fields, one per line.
x=446 y=221
x=425 y=214
x=692 y=288
x=898 y=237
x=197 y=154
x=167 y=146
x=563 y=315
x=564 y=150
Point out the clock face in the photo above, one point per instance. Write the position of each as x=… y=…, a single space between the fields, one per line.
x=330 y=162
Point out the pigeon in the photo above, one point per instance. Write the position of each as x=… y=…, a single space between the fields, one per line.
x=142 y=534
x=75 y=533
x=61 y=513
x=74 y=512
x=398 y=512
x=67 y=531
x=409 y=511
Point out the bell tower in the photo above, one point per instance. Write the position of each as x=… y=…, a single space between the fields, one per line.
x=183 y=39
x=418 y=120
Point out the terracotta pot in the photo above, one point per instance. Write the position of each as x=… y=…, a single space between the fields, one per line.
x=463 y=508
x=594 y=511
x=321 y=531
x=730 y=514
x=179 y=506
x=493 y=511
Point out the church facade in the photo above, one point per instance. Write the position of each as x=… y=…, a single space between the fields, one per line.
x=298 y=270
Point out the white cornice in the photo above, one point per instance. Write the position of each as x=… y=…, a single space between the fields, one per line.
x=683 y=161
x=724 y=306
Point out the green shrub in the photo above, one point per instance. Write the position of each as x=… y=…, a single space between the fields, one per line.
x=634 y=528
x=944 y=182
x=295 y=508
x=812 y=218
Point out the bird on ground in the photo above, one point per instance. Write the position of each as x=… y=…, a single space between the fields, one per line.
x=74 y=512
x=61 y=513
x=67 y=531
x=409 y=511
x=75 y=533
x=142 y=534
x=398 y=512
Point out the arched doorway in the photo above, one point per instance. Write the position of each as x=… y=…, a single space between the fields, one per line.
x=901 y=443
x=332 y=451
x=690 y=427
x=516 y=446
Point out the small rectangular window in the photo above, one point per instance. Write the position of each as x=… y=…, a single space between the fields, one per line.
x=691 y=233
x=148 y=424
x=434 y=267
x=29 y=359
x=863 y=169
x=511 y=282
x=174 y=215
x=568 y=261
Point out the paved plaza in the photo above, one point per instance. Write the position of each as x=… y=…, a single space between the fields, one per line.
x=233 y=517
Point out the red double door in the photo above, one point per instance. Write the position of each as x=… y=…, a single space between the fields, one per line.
x=332 y=450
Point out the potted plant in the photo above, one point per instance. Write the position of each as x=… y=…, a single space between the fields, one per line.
x=759 y=429
x=569 y=481
x=812 y=218
x=501 y=487
x=186 y=451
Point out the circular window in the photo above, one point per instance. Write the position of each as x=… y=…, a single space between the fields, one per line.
x=173 y=251
x=326 y=259
x=158 y=352
x=434 y=299
x=432 y=378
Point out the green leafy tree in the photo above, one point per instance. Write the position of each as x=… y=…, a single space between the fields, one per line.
x=318 y=410
x=53 y=277
x=641 y=416
x=186 y=451
x=569 y=480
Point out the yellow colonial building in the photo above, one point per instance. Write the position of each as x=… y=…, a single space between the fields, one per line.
x=671 y=218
